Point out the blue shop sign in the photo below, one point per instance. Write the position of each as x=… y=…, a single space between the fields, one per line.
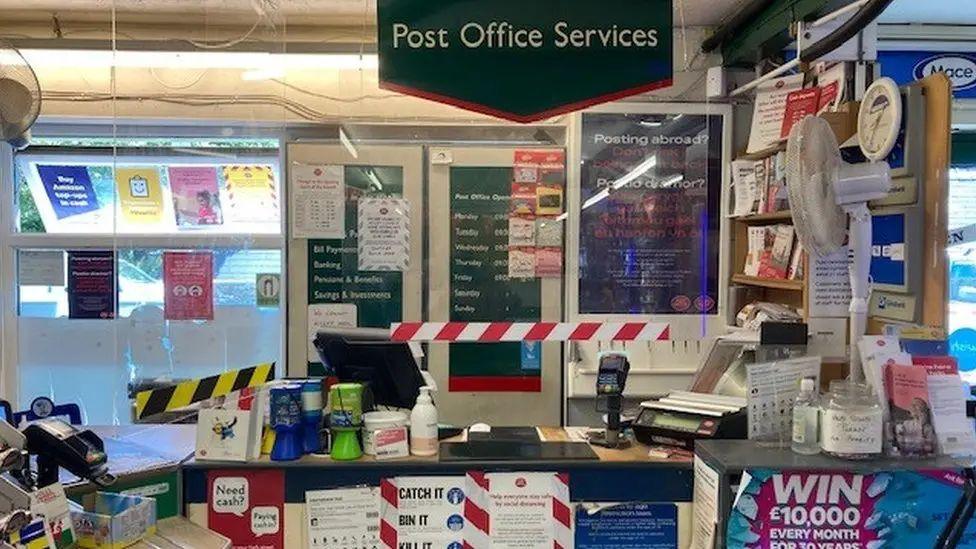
x=907 y=66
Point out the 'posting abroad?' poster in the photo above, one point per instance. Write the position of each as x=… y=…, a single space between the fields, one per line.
x=91 y=284
x=649 y=225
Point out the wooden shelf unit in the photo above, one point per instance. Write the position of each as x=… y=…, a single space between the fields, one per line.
x=762 y=219
x=775 y=283
x=788 y=292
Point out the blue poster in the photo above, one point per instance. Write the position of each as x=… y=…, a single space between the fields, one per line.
x=531 y=356
x=888 y=249
x=907 y=66
x=69 y=189
x=628 y=526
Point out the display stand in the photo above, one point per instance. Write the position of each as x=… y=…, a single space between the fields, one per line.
x=730 y=458
x=790 y=292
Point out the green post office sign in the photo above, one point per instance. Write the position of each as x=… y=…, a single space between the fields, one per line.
x=524 y=60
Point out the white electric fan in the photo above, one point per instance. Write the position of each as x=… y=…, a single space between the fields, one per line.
x=828 y=197
x=20 y=97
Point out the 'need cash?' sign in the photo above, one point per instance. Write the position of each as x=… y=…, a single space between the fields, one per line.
x=524 y=60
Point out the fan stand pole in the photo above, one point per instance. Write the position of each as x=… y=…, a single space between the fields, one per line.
x=860 y=269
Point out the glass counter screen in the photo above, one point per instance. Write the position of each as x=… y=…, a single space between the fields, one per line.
x=670 y=421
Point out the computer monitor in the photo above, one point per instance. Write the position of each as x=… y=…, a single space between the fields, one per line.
x=367 y=356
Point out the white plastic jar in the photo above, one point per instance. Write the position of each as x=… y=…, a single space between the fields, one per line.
x=374 y=421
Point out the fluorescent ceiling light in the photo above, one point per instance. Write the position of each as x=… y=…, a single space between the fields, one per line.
x=374 y=179
x=633 y=174
x=605 y=192
x=638 y=171
x=347 y=143
x=251 y=61
x=671 y=181
x=263 y=74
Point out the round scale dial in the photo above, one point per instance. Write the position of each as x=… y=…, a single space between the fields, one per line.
x=879 y=119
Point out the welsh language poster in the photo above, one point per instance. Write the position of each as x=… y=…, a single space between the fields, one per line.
x=196 y=196
x=821 y=510
x=188 y=285
x=649 y=220
x=247 y=506
x=91 y=284
x=422 y=512
x=69 y=188
x=252 y=193
x=140 y=195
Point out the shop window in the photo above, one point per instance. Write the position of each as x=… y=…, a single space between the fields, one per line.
x=962 y=259
x=92 y=193
x=126 y=205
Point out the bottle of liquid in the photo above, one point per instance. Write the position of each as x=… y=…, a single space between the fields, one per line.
x=806 y=419
x=423 y=425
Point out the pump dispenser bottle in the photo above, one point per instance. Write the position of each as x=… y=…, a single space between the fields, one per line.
x=423 y=425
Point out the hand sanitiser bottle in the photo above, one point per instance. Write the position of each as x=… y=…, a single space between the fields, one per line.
x=423 y=425
x=806 y=419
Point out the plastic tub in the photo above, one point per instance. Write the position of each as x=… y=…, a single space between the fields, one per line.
x=374 y=421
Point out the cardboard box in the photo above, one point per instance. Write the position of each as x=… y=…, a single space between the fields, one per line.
x=113 y=521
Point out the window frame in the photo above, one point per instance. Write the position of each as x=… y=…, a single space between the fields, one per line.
x=12 y=240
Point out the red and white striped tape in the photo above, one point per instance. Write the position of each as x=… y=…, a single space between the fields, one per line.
x=562 y=513
x=477 y=505
x=389 y=513
x=490 y=332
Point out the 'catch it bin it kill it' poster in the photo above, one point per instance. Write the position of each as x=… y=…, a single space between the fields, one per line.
x=828 y=510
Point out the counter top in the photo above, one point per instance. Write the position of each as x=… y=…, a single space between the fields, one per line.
x=635 y=455
x=734 y=456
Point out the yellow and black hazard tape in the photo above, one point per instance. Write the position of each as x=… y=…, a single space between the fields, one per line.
x=156 y=401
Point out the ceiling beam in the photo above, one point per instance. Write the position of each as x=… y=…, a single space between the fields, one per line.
x=768 y=32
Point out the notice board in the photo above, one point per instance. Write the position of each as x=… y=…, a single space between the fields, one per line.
x=476 y=195
x=481 y=289
x=333 y=264
x=334 y=286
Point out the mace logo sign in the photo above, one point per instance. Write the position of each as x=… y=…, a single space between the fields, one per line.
x=961 y=69
x=524 y=61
